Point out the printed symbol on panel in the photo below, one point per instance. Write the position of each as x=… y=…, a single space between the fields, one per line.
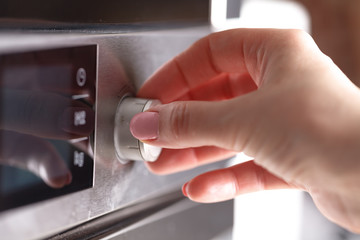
x=79 y=158
x=79 y=118
x=81 y=77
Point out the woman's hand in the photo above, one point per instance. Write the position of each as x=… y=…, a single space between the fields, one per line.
x=271 y=94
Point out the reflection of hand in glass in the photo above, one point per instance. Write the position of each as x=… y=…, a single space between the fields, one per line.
x=42 y=98
x=30 y=116
x=35 y=155
x=43 y=114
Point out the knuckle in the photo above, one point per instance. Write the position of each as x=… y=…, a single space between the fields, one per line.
x=260 y=179
x=235 y=181
x=180 y=120
x=297 y=39
x=297 y=34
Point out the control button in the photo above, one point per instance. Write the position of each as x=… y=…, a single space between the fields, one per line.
x=81 y=77
x=126 y=146
x=79 y=159
x=79 y=118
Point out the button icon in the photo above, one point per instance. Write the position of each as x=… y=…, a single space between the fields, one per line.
x=79 y=118
x=79 y=159
x=81 y=77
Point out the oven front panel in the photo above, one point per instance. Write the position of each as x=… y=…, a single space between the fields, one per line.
x=124 y=62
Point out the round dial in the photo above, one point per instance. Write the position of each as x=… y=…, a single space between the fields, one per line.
x=126 y=146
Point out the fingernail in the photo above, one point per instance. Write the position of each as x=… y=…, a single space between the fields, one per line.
x=68 y=179
x=60 y=181
x=185 y=189
x=145 y=126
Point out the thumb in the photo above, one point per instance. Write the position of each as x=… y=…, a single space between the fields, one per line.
x=190 y=124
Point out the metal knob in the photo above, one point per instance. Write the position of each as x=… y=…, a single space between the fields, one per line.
x=126 y=146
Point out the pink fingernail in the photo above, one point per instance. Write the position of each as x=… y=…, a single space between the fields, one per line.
x=145 y=126
x=185 y=189
x=69 y=179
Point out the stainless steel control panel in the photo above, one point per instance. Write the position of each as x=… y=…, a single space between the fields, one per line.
x=123 y=62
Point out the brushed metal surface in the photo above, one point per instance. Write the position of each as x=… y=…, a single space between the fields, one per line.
x=125 y=61
x=169 y=217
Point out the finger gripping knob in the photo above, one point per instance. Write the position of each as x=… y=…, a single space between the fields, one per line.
x=126 y=146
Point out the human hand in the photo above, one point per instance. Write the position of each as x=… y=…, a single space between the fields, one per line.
x=35 y=155
x=271 y=94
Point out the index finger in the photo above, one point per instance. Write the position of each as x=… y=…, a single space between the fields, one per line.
x=233 y=51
